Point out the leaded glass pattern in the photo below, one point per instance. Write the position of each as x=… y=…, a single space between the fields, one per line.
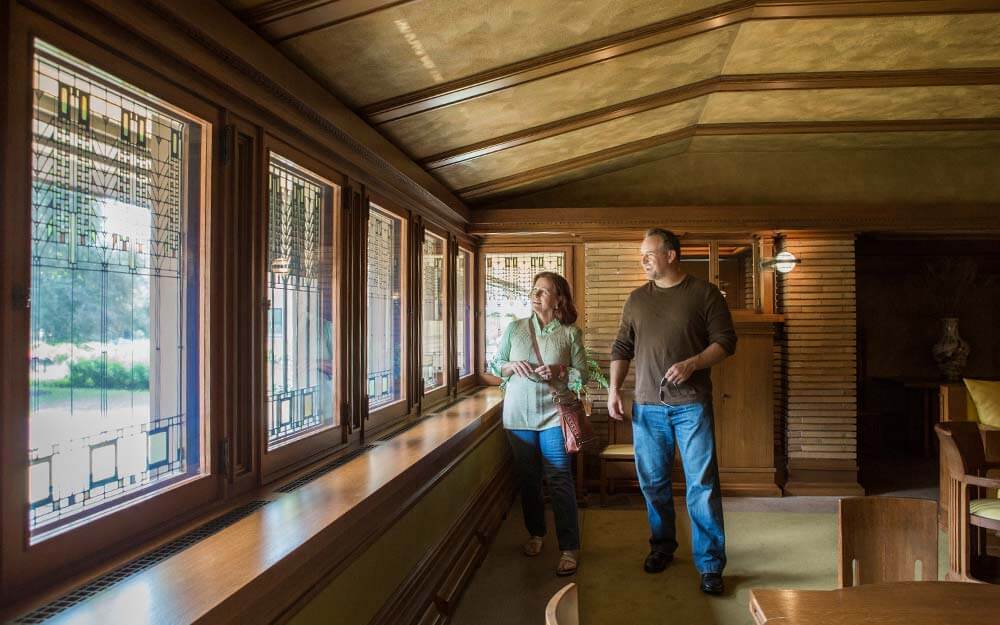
x=434 y=326
x=300 y=314
x=463 y=312
x=117 y=231
x=508 y=281
x=385 y=308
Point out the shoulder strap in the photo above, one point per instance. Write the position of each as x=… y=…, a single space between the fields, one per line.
x=534 y=340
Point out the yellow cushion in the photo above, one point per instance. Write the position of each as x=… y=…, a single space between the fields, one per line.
x=988 y=508
x=986 y=396
x=616 y=452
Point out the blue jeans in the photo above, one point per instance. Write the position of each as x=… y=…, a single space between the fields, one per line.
x=543 y=452
x=655 y=429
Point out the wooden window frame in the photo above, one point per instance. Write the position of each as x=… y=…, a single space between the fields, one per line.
x=307 y=448
x=385 y=416
x=570 y=252
x=438 y=394
x=470 y=379
x=27 y=567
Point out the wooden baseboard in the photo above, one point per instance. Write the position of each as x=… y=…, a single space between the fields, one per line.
x=823 y=477
x=431 y=591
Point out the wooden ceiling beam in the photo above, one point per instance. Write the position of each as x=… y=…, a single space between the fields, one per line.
x=744 y=82
x=966 y=218
x=649 y=36
x=491 y=187
x=279 y=20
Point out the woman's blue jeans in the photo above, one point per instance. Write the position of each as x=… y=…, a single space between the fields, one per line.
x=538 y=453
x=655 y=429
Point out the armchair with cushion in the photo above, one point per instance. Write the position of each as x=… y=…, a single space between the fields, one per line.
x=971 y=511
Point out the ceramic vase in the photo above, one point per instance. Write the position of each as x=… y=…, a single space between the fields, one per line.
x=951 y=351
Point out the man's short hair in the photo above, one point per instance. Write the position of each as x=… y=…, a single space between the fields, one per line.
x=670 y=240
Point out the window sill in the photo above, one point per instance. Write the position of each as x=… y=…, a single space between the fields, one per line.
x=262 y=567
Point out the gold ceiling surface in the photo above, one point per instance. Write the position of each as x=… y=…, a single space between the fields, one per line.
x=525 y=102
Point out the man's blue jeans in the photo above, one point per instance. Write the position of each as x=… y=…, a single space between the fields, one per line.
x=655 y=429
x=538 y=452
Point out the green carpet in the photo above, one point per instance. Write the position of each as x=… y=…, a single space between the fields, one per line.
x=776 y=549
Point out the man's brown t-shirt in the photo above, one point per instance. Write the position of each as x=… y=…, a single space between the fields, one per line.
x=662 y=326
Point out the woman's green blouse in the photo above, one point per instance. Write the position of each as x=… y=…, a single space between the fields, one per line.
x=528 y=403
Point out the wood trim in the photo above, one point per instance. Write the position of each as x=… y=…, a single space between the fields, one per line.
x=719 y=84
x=648 y=36
x=492 y=187
x=284 y=19
x=444 y=572
x=565 y=221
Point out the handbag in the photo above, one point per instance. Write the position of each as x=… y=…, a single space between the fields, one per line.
x=578 y=433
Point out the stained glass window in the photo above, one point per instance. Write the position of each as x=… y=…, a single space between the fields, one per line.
x=300 y=291
x=385 y=308
x=508 y=281
x=434 y=326
x=117 y=282
x=463 y=312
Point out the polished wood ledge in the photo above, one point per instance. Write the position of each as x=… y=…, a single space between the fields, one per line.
x=263 y=567
x=902 y=603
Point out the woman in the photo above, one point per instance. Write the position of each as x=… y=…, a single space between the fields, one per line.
x=531 y=417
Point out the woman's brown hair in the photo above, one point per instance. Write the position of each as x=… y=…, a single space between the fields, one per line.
x=565 y=310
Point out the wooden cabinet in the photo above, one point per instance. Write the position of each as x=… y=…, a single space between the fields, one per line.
x=748 y=433
x=743 y=398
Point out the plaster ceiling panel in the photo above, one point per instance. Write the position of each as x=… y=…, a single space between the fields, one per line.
x=419 y=44
x=855 y=44
x=590 y=171
x=950 y=140
x=950 y=102
x=775 y=178
x=563 y=95
x=572 y=144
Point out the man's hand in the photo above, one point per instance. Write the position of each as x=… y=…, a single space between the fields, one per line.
x=615 y=409
x=551 y=372
x=679 y=372
x=522 y=368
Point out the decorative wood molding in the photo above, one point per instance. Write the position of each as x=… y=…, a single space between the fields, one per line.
x=979 y=218
x=498 y=185
x=719 y=84
x=438 y=579
x=649 y=36
x=283 y=19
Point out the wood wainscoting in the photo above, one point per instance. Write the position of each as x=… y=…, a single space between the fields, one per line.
x=431 y=592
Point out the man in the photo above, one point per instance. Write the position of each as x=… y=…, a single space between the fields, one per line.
x=675 y=327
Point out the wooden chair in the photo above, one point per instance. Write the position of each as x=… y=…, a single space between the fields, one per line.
x=956 y=404
x=563 y=608
x=619 y=456
x=881 y=539
x=971 y=509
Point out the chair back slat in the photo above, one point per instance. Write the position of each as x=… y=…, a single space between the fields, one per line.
x=881 y=539
x=961 y=447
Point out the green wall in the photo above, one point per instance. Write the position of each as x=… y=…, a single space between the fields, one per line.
x=356 y=595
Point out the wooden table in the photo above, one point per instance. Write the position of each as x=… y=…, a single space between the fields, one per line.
x=902 y=603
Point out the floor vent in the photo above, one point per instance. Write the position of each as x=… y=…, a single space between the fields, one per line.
x=323 y=470
x=42 y=614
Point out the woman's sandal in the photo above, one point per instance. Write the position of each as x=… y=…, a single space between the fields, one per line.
x=533 y=547
x=568 y=562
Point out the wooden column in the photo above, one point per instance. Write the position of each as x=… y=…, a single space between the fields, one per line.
x=819 y=302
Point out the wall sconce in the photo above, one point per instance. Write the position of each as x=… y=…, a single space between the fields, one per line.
x=783 y=262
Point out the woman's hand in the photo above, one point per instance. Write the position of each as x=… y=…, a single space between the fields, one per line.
x=522 y=368
x=551 y=372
